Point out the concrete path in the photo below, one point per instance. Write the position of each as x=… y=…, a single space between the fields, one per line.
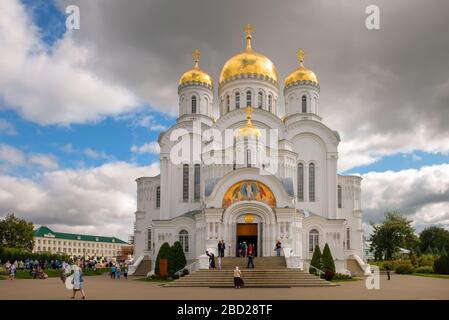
x=102 y=287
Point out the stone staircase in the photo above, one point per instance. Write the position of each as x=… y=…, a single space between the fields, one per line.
x=143 y=268
x=269 y=272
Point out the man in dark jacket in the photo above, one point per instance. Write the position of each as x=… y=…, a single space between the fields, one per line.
x=250 y=260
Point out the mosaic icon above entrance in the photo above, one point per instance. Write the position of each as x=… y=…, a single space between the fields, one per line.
x=249 y=190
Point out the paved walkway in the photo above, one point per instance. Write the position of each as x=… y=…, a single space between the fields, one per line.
x=102 y=287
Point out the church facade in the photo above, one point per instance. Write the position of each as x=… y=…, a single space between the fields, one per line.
x=258 y=173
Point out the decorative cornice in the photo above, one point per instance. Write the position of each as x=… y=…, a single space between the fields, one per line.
x=302 y=83
x=194 y=84
x=248 y=76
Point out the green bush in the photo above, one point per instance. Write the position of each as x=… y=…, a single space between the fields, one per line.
x=316 y=260
x=441 y=265
x=164 y=253
x=177 y=259
x=341 y=276
x=404 y=267
x=425 y=269
x=426 y=260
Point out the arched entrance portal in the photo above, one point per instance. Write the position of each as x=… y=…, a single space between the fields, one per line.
x=250 y=222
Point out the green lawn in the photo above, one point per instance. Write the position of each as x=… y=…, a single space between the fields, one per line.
x=432 y=275
x=54 y=273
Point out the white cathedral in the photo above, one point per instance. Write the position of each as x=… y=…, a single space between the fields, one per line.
x=300 y=201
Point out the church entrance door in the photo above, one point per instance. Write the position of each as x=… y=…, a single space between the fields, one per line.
x=246 y=235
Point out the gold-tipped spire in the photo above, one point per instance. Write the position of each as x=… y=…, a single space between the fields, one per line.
x=249 y=129
x=196 y=57
x=248 y=29
x=300 y=55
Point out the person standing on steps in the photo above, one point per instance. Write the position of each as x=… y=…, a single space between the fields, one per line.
x=223 y=248
x=219 y=262
x=211 y=260
x=220 y=247
x=238 y=282
x=250 y=260
x=278 y=248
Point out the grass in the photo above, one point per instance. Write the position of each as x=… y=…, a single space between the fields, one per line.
x=432 y=275
x=54 y=273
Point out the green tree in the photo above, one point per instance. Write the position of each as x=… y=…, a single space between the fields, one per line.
x=327 y=261
x=434 y=237
x=316 y=260
x=441 y=265
x=177 y=259
x=16 y=233
x=394 y=233
x=164 y=253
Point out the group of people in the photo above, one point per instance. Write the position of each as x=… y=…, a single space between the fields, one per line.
x=221 y=248
x=246 y=249
x=117 y=268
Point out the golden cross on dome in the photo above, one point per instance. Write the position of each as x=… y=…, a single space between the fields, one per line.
x=249 y=110
x=248 y=29
x=300 y=54
x=196 y=56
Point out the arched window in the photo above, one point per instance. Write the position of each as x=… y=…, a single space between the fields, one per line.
x=348 y=238
x=270 y=103
x=248 y=98
x=237 y=100
x=193 y=104
x=248 y=158
x=185 y=182
x=184 y=240
x=304 y=104
x=196 y=180
x=300 y=182
x=158 y=197
x=227 y=103
x=311 y=182
x=260 y=99
x=314 y=239
x=339 y=196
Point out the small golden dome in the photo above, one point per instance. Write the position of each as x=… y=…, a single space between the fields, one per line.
x=196 y=74
x=301 y=73
x=249 y=129
x=249 y=62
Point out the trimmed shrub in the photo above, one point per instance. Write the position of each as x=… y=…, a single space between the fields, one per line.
x=164 y=253
x=441 y=265
x=327 y=263
x=404 y=268
x=177 y=259
x=13 y=254
x=425 y=269
x=426 y=260
x=316 y=260
x=341 y=276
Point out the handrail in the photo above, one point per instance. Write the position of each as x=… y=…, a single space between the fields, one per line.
x=320 y=272
x=191 y=267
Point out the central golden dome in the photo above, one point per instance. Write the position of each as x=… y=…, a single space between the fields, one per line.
x=249 y=62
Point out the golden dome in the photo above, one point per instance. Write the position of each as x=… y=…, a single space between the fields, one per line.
x=249 y=62
x=301 y=73
x=196 y=74
x=249 y=129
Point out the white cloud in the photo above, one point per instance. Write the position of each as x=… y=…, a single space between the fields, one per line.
x=52 y=86
x=93 y=154
x=420 y=194
x=11 y=156
x=151 y=147
x=96 y=200
x=47 y=162
x=7 y=128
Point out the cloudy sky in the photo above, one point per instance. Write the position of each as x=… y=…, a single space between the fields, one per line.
x=80 y=110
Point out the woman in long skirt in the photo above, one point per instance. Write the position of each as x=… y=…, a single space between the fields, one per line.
x=238 y=282
x=78 y=281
